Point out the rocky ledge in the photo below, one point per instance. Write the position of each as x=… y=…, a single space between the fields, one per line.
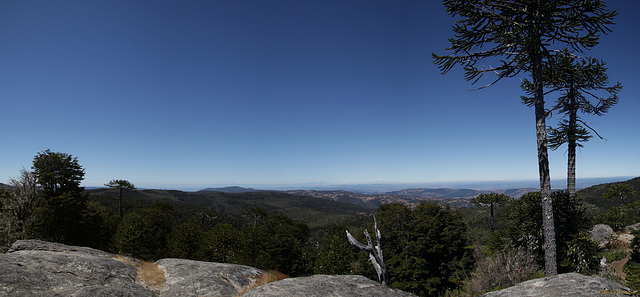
x=568 y=284
x=38 y=268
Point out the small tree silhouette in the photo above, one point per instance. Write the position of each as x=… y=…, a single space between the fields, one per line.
x=120 y=185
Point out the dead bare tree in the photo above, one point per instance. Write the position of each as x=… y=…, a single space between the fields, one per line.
x=375 y=252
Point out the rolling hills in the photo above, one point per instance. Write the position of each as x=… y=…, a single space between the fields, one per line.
x=453 y=197
x=315 y=212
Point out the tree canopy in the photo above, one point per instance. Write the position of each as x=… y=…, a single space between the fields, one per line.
x=62 y=213
x=57 y=173
x=425 y=248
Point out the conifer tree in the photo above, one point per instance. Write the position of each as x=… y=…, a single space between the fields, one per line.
x=517 y=35
x=61 y=213
x=492 y=199
x=581 y=81
x=120 y=185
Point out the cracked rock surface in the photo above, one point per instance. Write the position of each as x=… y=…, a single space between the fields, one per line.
x=38 y=268
x=568 y=284
x=326 y=285
x=197 y=278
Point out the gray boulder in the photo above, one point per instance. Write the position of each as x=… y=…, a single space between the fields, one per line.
x=326 y=285
x=568 y=284
x=632 y=228
x=196 y=278
x=602 y=234
x=37 y=268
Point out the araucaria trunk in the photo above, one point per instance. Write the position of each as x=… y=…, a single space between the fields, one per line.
x=543 y=166
x=572 y=142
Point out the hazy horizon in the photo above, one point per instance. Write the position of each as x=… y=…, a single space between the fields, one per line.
x=391 y=186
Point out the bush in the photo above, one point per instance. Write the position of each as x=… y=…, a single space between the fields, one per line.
x=504 y=269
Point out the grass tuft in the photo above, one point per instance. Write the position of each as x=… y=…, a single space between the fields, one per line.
x=149 y=274
x=263 y=279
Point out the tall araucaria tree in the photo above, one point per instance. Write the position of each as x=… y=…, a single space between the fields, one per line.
x=518 y=36
x=120 y=185
x=584 y=84
x=491 y=199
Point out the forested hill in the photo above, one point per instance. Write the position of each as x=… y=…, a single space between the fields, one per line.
x=337 y=207
x=594 y=194
x=453 y=197
x=310 y=210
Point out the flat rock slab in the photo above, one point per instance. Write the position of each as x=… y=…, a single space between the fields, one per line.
x=326 y=285
x=57 y=270
x=568 y=284
x=197 y=278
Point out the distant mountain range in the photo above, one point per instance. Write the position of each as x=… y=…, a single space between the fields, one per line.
x=386 y=187
x=232 y=189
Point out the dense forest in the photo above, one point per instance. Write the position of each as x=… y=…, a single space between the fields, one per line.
x=430 y=248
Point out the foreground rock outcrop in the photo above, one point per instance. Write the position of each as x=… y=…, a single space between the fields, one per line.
x=326 y=285
x=38 y=268
x=197 y=278
x=568 y=284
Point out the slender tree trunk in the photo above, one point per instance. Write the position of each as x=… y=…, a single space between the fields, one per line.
x=543 y=165
x=493 y=221
x=572 y=142
x=120 y=204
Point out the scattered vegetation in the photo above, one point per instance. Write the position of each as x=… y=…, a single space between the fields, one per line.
x=632 y=268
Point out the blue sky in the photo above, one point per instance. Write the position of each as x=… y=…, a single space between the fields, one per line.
x=187 y=94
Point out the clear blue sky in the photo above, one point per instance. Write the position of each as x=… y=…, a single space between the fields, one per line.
x=184 y=94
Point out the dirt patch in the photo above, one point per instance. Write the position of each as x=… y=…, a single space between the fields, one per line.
x=624 y=238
